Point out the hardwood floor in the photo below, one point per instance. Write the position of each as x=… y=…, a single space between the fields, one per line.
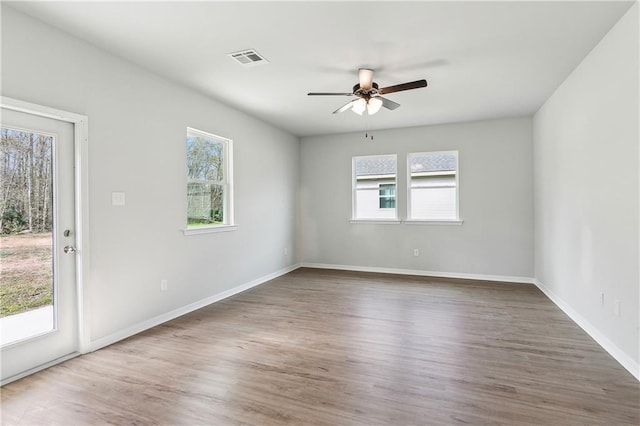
x=340 y=348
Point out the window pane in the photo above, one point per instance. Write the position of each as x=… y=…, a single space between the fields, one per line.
x=433 y=203
x=388 y=196
x=433 y=162
x=433 y=188
x=374 y=187
x=377 y=165
x=205 y=158
x=205 y=204
x=27 y=285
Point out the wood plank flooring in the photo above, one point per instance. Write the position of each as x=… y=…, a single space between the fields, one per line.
x=342 y=348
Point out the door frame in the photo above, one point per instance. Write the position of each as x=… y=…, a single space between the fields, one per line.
x=81 y=208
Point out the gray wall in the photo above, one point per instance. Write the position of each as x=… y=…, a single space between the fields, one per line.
x=137 y=130
x=496 y=201
x=586 y=188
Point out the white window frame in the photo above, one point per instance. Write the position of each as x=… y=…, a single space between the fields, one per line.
x=454 y=221
x=227 y=184
x=354 y=183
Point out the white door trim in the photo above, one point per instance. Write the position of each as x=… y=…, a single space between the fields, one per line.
x=81 y=160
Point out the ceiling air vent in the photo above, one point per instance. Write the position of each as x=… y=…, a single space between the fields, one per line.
x=248 y=58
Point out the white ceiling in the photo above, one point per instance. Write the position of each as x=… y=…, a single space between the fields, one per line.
x=481 y=59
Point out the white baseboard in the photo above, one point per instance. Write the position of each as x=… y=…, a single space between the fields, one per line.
x=625 y=360
x=152 y=322
x=421 y=273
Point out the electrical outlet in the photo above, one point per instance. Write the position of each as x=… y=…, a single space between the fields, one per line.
x=164 y=285
x=416 y=252
x=602 y=300
x=616 y=308
x=286 y=251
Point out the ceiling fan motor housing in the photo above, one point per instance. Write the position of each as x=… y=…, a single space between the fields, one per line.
x=358 y=91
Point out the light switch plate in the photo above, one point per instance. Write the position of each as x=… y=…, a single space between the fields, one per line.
x=117 y=199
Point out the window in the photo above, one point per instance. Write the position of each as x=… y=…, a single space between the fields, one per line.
x=387 y=195
x=433 y=186
x=209 y=178
x=374 y=187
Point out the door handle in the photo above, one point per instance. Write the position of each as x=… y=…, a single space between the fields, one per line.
x=69 y=249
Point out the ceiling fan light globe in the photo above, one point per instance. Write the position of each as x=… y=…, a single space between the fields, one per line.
x=359 y=106
x=365 y=77
x=373 y=105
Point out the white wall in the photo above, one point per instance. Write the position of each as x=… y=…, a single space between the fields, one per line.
x=496 y=201
x=586 y=191
x=137 y=130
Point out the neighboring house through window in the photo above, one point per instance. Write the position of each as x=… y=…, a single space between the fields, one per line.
x=209 y=178
x=433 y=185
x=387 y=196
x=374 y=187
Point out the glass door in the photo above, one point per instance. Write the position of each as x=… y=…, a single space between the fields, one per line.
x=38 y=303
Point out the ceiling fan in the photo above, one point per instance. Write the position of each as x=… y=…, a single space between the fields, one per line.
x=368 y=94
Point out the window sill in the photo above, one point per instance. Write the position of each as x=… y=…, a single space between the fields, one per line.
x=377 y=221
x=209 y=229
x=445 y=222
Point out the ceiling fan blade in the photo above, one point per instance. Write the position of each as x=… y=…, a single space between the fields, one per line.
x=365 y=77
x=388 y=103
x=404 y=86
x=328 y=94
x=344 y=107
